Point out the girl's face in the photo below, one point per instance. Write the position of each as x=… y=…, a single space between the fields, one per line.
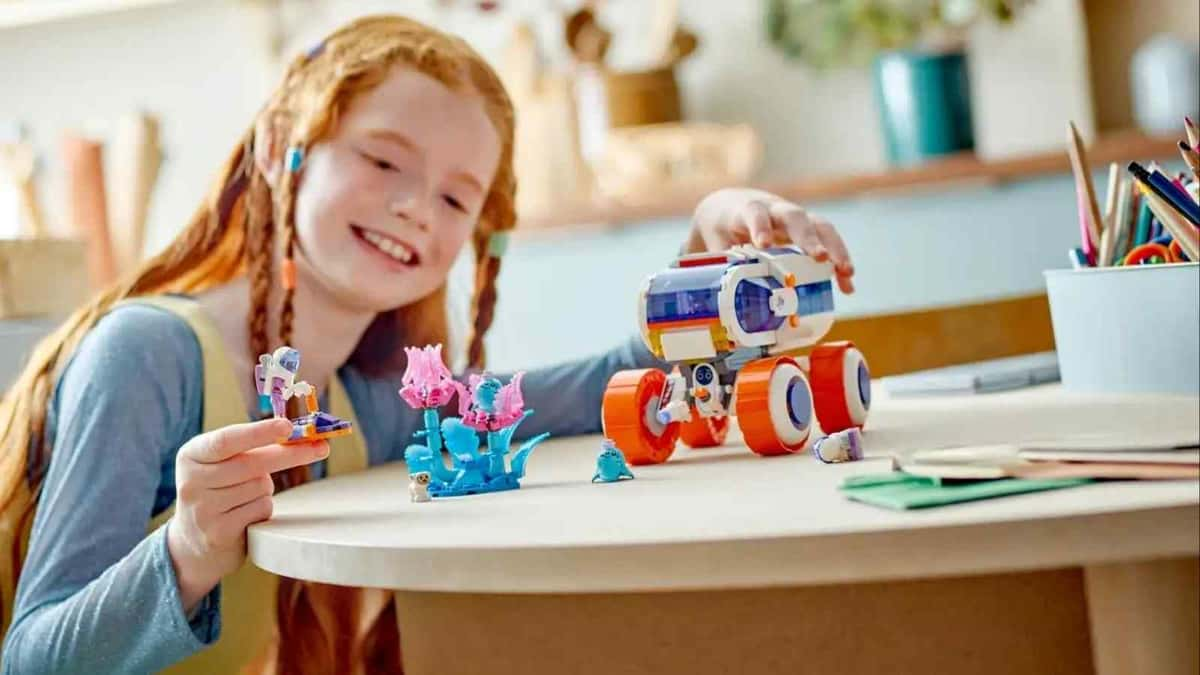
x=386 y=203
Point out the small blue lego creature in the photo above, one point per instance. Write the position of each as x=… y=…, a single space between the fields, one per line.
x=485 y=393
x=610 y=464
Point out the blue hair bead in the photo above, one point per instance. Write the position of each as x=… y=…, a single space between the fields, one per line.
x=294 y=158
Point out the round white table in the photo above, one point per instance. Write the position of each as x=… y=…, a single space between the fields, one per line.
x=723 y=561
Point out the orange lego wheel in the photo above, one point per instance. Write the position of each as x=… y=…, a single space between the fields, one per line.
x=704 y=432
x=774 y=406
x=630 y=416
x=841 y=386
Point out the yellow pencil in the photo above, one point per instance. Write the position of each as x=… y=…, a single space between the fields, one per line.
x=1193 y=133
x=1181 y=230
x=1110 y=198
x=1121 y=221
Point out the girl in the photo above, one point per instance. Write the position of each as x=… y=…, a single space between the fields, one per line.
x=128 y=465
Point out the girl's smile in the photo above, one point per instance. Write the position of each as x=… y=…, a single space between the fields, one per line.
x=399 y=254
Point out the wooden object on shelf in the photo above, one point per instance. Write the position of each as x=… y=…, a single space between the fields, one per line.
x=639 y=163
x=636 y=98
x=547 y=159
x=135 y=157
x=609 y=98
x=41 y=277
x=18 y=164
x=1113 y=147
x=668 y=42
x=87 y=206
x=664 y=24
x=586 y=38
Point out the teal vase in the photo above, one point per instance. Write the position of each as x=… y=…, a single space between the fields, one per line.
x=924 y=104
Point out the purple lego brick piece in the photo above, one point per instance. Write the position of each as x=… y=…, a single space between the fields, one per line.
x=842 y=446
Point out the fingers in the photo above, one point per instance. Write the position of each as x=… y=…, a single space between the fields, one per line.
x=717 y=240
x=251 y=512
x=845 y=282
x=819 y=239
x=262 y=461
x=839 y=255
x=755 y=219
x=764 y=220
x=221 y=444
x=230 y=528
x=801 y=229
x=225 y=499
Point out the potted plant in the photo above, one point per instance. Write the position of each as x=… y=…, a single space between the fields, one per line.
x=916 y=49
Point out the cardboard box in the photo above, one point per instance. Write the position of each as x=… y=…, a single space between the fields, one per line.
x=40 y=277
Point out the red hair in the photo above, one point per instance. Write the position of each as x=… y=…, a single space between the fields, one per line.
x=236 y=231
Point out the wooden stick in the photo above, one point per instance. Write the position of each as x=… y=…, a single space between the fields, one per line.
x=1110 y=197
x=84 y=162
x=1082 y=178
x=1121 y=220
x=1104 y=256
x=134 y=159
x=20 y=162
x=1191 y=157
x=664 y=22
x=1193 y=133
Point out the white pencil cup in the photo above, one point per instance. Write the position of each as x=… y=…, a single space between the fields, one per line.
x=1128 y=329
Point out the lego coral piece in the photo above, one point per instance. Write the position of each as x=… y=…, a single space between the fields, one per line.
x=486 y=406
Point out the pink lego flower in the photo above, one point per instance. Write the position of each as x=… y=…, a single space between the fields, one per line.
x=427 y=381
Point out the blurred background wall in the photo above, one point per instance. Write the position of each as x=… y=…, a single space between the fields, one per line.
x=201 y=69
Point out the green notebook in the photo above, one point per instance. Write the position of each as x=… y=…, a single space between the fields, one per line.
x=900 y=491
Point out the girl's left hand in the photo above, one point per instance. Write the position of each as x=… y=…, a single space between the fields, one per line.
x=735 y=216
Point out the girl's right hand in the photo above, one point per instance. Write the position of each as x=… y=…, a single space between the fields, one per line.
x=223 y=485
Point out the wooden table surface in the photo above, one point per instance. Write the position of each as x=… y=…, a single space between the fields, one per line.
x=725 y=518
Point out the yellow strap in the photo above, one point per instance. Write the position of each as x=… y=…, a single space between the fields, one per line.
x=347 y=453
x=221 y=409
x=248 y=595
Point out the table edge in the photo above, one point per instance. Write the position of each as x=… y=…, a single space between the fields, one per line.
x=839 y=558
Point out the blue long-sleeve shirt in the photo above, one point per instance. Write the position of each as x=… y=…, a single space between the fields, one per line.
x=96 y=593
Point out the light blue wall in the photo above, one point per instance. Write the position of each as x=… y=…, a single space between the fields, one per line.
x=571 y=292
x=568 y=294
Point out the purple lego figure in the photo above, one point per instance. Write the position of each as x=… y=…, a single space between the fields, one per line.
x=275 y=379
